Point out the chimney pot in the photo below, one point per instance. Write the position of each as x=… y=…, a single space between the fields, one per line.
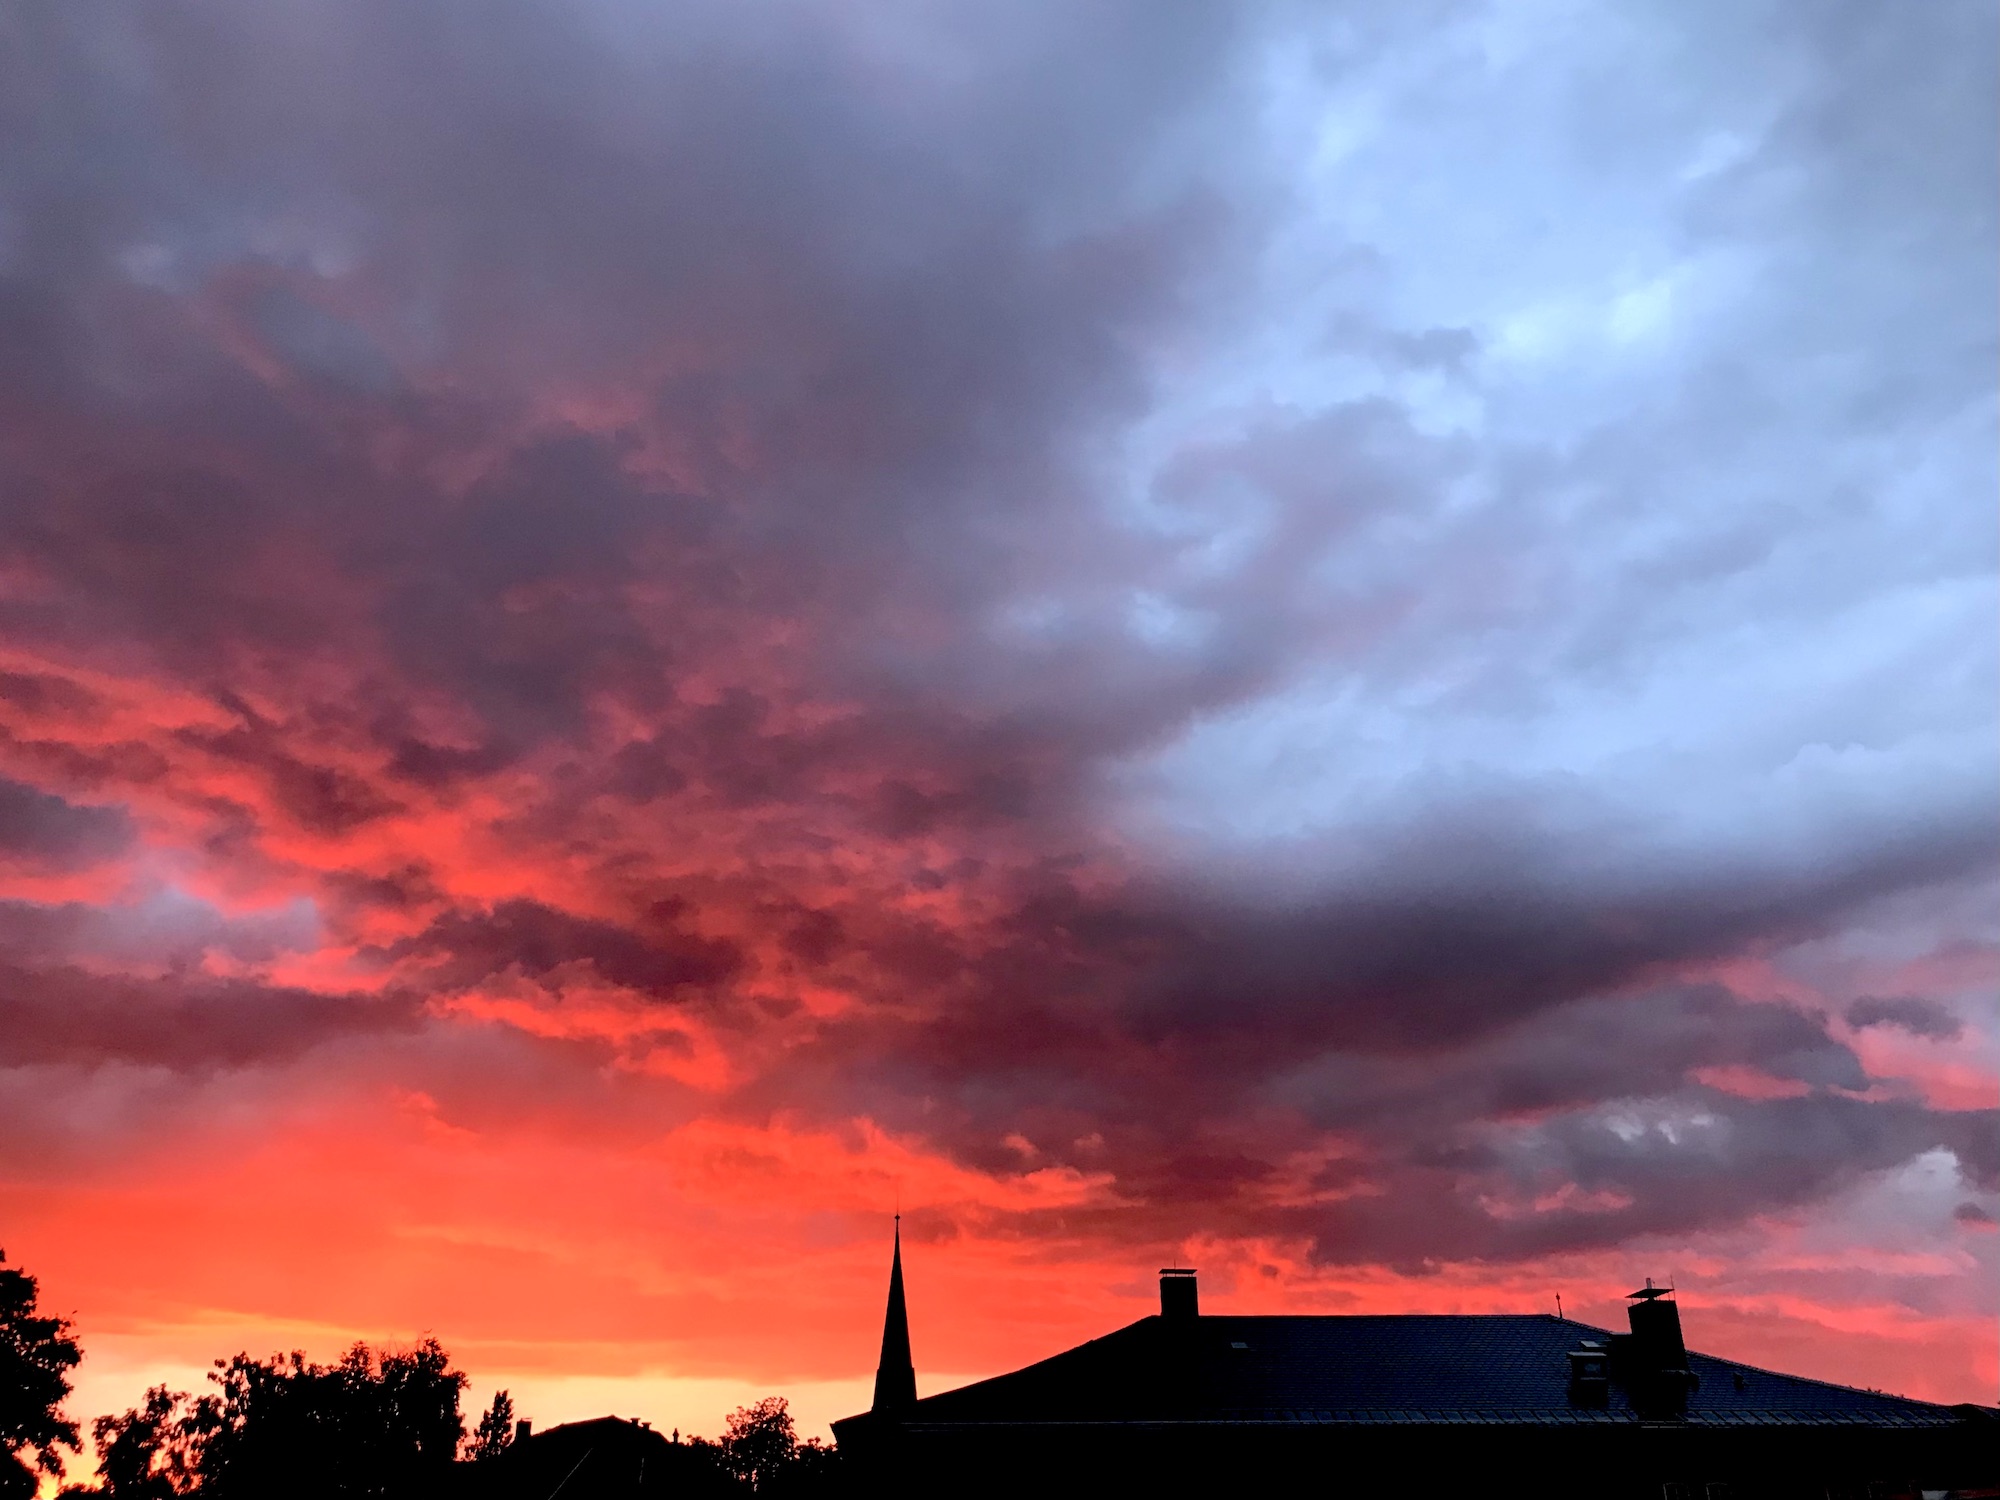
x=523 y=1430
x=1177 y=1295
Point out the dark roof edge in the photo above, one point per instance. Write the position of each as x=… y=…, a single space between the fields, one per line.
x=1825 y=1385
x=1945 y=1417
x=1945 y=1413
x=1734 y=1364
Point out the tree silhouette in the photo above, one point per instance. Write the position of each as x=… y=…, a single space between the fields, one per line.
x=495 y=1430
x=386 y=1426
x=36 y=1356
x=815 y=1473
x=149 y=1453
x=760 y=1442
x=371 y=1425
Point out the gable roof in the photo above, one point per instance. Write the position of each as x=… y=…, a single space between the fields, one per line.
x=1504 y=1368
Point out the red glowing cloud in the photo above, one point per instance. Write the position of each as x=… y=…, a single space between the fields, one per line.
x=623 y=645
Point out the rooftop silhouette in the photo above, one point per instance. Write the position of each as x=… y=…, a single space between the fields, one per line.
x=1182 y=1398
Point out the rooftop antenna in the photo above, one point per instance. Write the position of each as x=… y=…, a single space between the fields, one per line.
x=1559 y=1306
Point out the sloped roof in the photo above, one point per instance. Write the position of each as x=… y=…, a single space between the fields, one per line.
x=1506 y=1368
x=604 y=1458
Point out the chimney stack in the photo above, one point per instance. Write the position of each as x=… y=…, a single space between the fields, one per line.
x=1659 y=1379
x=1177 y=1295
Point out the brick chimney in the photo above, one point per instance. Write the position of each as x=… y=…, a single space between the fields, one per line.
x=1177 y=1295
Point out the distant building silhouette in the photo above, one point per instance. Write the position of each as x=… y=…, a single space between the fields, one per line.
x=1181 y=1403
x=606 y=1458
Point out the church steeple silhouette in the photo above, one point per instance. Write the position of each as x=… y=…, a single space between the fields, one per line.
x=895 y=1376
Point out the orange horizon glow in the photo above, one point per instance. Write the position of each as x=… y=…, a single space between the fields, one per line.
x=673 y=1279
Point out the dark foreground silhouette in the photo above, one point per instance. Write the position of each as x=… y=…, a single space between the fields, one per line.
x=36 y=1356
x=384 y=1424
x=611 y=1456
x=1187 y=1404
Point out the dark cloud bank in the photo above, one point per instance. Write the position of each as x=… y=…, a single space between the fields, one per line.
x=762 y=378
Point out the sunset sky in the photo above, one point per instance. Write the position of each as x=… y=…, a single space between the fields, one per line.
x=1347 y=643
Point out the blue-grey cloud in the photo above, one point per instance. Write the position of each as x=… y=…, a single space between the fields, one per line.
x=1377 y=552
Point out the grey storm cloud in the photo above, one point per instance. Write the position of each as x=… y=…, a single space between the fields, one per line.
x=1470 y=519
x=535 y=939
x=64 y=1015
x=1911 y=1013
x=47 y=830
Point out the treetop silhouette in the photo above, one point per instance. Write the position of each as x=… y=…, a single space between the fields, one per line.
x=37 y=1352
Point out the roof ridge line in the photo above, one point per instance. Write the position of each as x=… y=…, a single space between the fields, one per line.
x=1831 y=1385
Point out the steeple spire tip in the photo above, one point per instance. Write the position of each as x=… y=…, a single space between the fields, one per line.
x=896 y=1376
